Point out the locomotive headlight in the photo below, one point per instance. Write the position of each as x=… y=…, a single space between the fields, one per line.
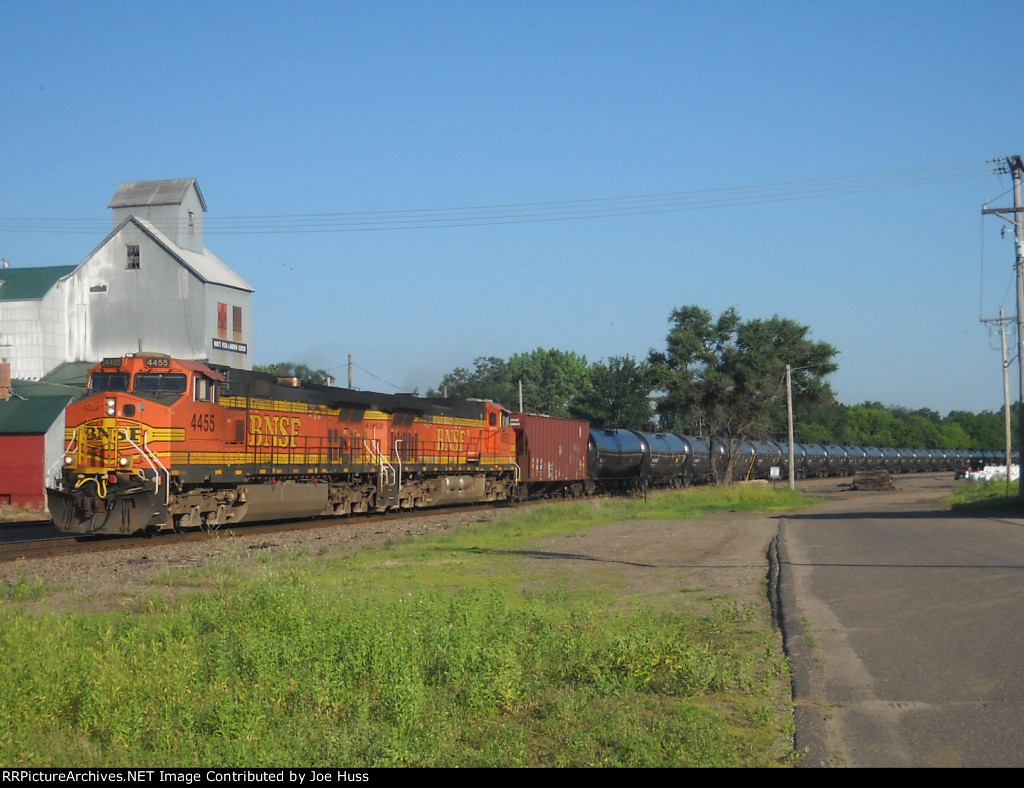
x=123 y=462
x=111 y=406
x=69 y=459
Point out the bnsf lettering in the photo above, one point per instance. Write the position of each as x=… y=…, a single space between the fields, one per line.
x=451 y=441
x=97 y=433
x=278 y=432
x=104 y=434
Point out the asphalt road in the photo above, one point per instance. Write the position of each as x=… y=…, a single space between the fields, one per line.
x=905 y=625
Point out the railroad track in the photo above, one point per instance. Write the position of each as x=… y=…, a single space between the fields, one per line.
x=10 y=525
x=59 y=545
x=67 y=545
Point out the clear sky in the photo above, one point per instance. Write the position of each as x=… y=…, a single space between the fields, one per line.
x=462 y=179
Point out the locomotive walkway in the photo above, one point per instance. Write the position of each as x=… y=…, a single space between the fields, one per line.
x=905 y=625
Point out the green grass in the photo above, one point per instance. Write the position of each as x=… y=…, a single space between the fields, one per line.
x=24 y=588
x=440 y=651
x=986 y=497
x=805 y=623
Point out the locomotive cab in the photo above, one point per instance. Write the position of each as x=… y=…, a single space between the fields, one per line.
x=118 y=461
x=128 y=406
x=156 y=378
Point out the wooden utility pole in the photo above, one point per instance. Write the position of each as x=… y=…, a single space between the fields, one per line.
x=789 y=414
x=1002 y=320
x=1015 y=166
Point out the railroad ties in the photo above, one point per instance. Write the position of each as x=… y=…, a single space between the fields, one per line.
x=872 y=480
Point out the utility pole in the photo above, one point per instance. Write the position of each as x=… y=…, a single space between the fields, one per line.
x=789 y=418
x=1002 y=320
x=1015 y=166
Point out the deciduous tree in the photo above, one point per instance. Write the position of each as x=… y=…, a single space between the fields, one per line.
x=617 y=394
x=729 y=374
x=289 y=369
x=552 y=381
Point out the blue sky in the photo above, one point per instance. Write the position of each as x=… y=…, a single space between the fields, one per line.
x=870 y=123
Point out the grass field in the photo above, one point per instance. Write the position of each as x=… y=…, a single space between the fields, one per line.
x=444 y=651
x=986 y=496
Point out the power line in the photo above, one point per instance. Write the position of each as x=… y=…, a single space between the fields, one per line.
x=363 y=369
x=548 y=211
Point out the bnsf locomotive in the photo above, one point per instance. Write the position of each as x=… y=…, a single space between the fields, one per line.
x=159 y=443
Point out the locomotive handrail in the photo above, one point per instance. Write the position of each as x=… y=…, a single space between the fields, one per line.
x=68 y=450
x=151 y=458
x=385 y=470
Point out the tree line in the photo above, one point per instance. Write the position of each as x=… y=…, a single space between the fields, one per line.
x=720 y=377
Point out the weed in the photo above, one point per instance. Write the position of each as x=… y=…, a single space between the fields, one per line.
x=986 y=497
x=809 y=639
x=438 y=652
x=25 y=588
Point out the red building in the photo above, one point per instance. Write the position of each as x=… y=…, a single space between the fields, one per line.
x=31 y=439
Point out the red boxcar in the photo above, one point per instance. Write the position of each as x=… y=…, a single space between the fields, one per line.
x=552 y=454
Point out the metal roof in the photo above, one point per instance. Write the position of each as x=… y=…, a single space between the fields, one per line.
x=199 y=366
x=20 y=284
x=34 y=407
x=207 y=266
x=70 y=373
x=137 y=193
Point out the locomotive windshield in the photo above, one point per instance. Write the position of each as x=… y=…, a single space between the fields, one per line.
x=161 y=382
x=108 y=381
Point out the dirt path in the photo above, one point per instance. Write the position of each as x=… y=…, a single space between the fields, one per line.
x=714 y=559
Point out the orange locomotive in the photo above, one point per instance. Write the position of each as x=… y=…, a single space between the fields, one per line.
x=161 y=443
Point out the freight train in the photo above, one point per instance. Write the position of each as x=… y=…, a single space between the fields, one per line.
x=159 y=443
